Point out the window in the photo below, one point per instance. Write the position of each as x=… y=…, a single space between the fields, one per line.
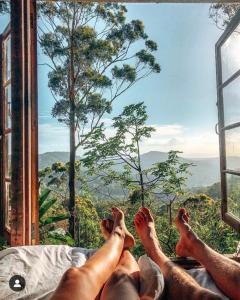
x=18 y=126
x=228 y=83
x=6 y=127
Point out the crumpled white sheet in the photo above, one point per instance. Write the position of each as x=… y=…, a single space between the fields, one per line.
x=205 y=280
x=43 y=266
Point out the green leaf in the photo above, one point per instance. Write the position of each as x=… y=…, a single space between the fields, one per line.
x=43 y=196
x=54 y=219
x=45 y=207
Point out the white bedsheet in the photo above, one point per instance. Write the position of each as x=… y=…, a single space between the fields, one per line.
x=43 y=266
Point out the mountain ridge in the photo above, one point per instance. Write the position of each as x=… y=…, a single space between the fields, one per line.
x=205 y=171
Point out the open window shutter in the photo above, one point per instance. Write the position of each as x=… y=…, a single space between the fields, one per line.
x=228 y=93
x=18 y=126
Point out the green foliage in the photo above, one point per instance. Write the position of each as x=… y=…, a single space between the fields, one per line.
x=213 y=191
x=45 y=208
x=3 y=243
x=53 y=218
x=206 y=222
x=4 y=7
x=55 y=179
x=89 y=61
x=87 y=223
x=54 y=214
x=222 y=13
x=233 y=187
x=204 y=213
x=58 y=237
x=90 y=47
x=163 y=179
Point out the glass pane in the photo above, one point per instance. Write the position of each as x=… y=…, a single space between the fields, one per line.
x=233 y=190
x=9 y=155
x=232 y=139
x=231 y=101
x=7 y=47
x=8 y=106
x=230 y=54
x=8 y=205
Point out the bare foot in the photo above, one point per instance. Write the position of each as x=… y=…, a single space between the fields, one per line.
x=187 y=237
x=117 y=226
x=145 y=229
x=106 y=226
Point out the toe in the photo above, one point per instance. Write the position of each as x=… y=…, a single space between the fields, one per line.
x=142 y=216
x=147 y=214
x=116 y=211
x=109 y=225
x=136 y=223
x=182 y=215
x=104 y=223
x=138 y=218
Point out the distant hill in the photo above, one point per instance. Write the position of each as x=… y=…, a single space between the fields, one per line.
x=48 y=158
x=204 y=173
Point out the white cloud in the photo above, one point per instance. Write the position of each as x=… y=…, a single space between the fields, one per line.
x=55 y=137
x=176 y=137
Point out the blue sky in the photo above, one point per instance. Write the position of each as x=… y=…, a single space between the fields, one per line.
x=181 y=100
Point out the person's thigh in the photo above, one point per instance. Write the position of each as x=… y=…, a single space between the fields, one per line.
x=121 y=286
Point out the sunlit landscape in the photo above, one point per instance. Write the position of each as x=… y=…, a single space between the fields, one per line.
x=127 y=117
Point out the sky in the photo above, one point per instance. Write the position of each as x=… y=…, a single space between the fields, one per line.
x=181 y=100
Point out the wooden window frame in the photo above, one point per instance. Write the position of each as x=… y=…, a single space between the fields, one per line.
x=227 y=216
x=24 y=125
x=3 y=133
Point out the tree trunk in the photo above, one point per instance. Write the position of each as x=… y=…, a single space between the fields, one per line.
x=71 y=183
x=142 y=189
x=140 y=174
x=170 y=213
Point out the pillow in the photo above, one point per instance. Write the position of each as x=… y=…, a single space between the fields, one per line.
x=151 y=279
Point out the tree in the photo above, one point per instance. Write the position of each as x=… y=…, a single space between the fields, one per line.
x=92 y=62
x=88 y=229
x=51 y=213
x=105 y=154
x=222 y=13
x=4 y=7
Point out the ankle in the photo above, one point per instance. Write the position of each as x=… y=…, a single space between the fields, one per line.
x=195 y=246
x=119 y=232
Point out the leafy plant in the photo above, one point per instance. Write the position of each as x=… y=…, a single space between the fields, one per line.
x=3 y=243
x=45 y=206
x=105 y=154
x=87 y=223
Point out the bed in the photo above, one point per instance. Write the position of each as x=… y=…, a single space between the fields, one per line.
x=43 y=266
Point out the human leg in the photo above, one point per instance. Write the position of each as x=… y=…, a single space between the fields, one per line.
x=224 y=271
x=123 y=283
x=179 y=284
x=85 y=283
